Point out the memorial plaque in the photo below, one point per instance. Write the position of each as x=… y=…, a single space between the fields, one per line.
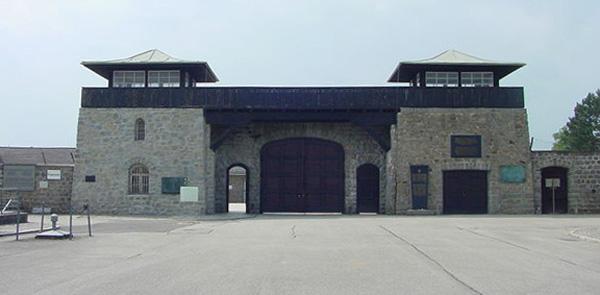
x=419 y=178
x=53 y=175
x=512 y=173
x=188 y=194
x=19 y=177
x=465 y=146
x=171 y=185
x=43 y=185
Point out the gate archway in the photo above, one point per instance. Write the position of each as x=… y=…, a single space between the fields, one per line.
x=302 y=175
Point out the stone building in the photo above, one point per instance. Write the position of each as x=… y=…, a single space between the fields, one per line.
x=444 y=137
x=41 y=176
x=566 y=182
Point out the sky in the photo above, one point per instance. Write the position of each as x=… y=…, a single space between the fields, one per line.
x=259 y=42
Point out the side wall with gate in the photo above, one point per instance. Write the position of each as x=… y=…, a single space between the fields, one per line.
x=583 y=178
x=244 y=144
x=422 y=137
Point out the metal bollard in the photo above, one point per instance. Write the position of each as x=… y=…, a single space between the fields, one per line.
x=18 y=214
x=86 y=207
x=42 y=221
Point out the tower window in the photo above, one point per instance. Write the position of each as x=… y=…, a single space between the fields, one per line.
x=441 y=79
x=140 y=129
x=139 y=180
x=477 y=79
x=163 y=78
x=129 y=79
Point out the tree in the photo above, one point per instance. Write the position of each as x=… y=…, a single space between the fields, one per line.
x=582 y=132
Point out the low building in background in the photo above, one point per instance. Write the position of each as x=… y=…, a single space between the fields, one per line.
x=40 y=176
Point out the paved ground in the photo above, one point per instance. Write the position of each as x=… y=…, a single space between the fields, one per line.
x=312 y=255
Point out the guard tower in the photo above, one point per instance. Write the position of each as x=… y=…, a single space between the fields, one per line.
x=153 y=69
x=453 y=68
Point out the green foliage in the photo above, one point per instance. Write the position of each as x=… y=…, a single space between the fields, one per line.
x=582 y=132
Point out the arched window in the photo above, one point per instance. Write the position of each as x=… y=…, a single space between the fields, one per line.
x=139 y=180
x=140 y=129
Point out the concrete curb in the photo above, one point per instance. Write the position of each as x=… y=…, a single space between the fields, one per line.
x=583 y=237
x=29 y=231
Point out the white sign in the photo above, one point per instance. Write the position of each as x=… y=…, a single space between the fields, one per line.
x=552 y=182
x=53 y=175
x=188 y=194
x=43 y=184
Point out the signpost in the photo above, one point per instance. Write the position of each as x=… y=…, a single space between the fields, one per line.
x=553 y=183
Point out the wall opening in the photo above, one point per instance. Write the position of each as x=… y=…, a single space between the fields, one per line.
x=554 y=190
x=367 y=188
x=237 y=189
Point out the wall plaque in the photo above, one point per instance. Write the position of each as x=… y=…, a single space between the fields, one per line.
x=171 y=185
x=512 y=173
x=19 y=177
x=53 y=175
x=188 y=194
x=465 y=146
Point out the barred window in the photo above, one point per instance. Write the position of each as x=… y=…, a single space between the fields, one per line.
x=163 y=78
x=477 y=79
x=140 y=129
x=129 y=79
x=139 y=179
x=441 y=79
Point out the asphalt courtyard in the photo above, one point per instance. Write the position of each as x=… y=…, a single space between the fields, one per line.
x=311 y=255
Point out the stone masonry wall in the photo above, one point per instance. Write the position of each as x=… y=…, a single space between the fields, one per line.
x=243 y=147
x=175 y=146
x=422 y=137
x=583 y=178
x=56 y=196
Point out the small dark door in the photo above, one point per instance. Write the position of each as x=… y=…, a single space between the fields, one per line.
x=465 y=192
x=367 y=188
x=554 y=179
x=302 y=175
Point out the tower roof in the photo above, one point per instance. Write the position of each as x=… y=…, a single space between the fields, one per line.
x=153 y=59
x=452 y=60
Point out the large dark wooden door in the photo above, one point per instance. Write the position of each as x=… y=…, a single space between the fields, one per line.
x=554 y=178
x=367 y=188
x=465 y=192
x=302 y=175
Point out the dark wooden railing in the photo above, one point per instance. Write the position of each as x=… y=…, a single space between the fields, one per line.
x=303 y=98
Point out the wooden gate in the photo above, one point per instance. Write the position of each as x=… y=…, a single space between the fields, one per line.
x=554 y=190
x=465 y=192
x=302 y=175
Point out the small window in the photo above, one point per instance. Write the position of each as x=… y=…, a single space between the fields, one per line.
x=465 y=146
x=139 y=180
x=441 y=79
x=140 y=130
x=90 y=178
x=129 y=79
x=477 y=79
x=163 y=78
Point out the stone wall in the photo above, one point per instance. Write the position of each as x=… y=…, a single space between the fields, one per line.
x=55 y=196
x=244 y=145
x=583 y=178
x=422 y=137
x=175 y=146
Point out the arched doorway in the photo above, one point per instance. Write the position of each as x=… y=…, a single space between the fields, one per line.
x=302 y=175
x=237 y=188
x=367 y=188
x=554 y=190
